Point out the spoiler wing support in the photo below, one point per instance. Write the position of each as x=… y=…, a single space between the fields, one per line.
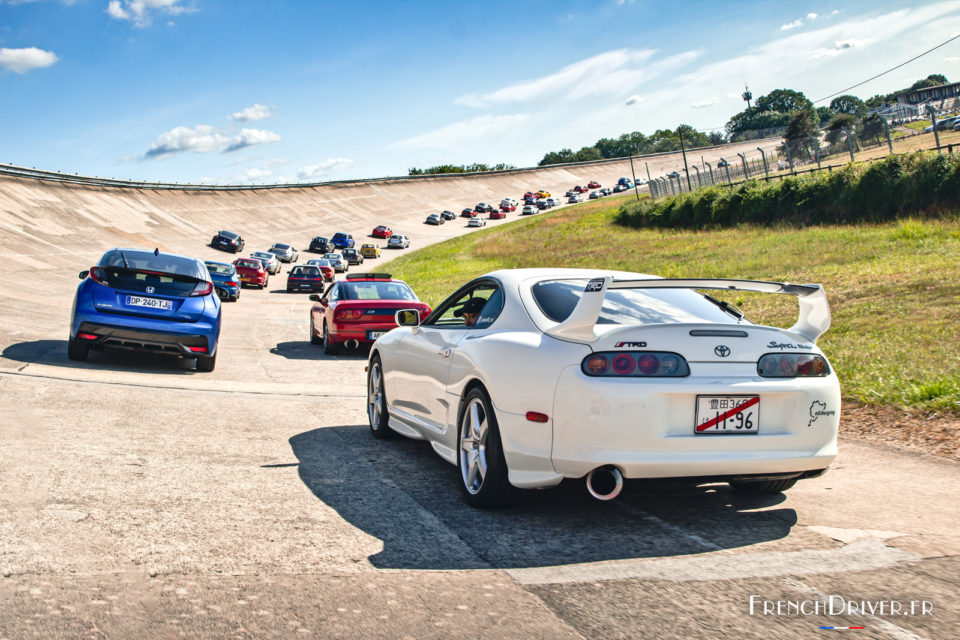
x=813 y=319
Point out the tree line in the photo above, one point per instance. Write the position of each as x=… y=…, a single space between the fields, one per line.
x=459 y=168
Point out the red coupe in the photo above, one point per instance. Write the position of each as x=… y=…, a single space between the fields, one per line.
x=498 y=215
x=251 y=271
x=593 y=184
x=360 y=309
x=382 y=232
x=580 y=189
x=506 y=206
x=468 y=213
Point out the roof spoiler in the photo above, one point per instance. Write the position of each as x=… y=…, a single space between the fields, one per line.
x=812 y=322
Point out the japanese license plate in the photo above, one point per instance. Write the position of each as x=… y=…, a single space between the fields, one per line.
x=150 y=303
x=727 y=414
x=373 y=335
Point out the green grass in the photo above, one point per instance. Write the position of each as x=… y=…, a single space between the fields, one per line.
x=893 y=288
x=919 y=125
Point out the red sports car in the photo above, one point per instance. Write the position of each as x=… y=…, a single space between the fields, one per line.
x=360 y=309
x=580 y=189
x=529 y=194
x=498 y=215
x=593 y=184
x=251 y=271
x=382 y=232
x=506 y=206
x=468 y=213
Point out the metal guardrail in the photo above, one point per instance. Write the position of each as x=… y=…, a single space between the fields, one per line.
x=68 y=178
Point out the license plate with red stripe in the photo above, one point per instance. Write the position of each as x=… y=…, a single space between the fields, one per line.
x=727 y=414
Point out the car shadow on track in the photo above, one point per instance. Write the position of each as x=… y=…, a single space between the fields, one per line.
x=54 y=352
x=402 y=493
x=305 y=350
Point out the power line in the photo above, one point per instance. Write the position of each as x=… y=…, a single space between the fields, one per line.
x=888 y=70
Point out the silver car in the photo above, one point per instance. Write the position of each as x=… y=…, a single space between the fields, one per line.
x=270 y=261
x=337 y=261
x=398 y=241
x=284 y=252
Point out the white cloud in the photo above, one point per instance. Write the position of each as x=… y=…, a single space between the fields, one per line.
x=250 y=114
x=23 y=60
x=791 y=25
x=255 y=175
x=951 y=59
x=325 y=168
x=141 y=12
x=206 y=139
x=838 y=47
x=634 y=100
x=614 y=71
x=706 y=102
x=453 y=135
x=811 y=16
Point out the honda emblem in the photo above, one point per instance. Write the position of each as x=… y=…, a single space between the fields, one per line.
x=151 y=289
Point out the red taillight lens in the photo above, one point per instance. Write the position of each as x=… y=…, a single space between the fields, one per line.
x=648 y=364
x=87 y=336
x=597 y=364
x=202 y=289
x=792 y=365
x=349 y=314
x=624 y=364
x=536 y=416
x=198 y=349
x=231 y=283
x=96 y=275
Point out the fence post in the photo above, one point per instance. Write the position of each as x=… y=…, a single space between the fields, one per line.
x=766 y=168
x=849 y=142
x=932 y=110
x=710 y=168
x=786 y=145
x=700 y=184
x=886 y=128
x=743 y=161
x=634 y=174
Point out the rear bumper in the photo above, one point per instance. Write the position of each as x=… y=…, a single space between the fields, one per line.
x=168 y=341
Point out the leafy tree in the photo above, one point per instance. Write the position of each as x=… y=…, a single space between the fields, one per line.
x=717 y=138
x=783 y=101
x=939 y=78
x=824 y=114
x=873 y=127
x=849 y=104
x=459 y=168
x=923 y=84
x=840 y=123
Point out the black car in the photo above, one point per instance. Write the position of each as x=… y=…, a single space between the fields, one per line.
x=228 y=241
x=352 y=256
x=435 y=219
x=321 y=244
x=448 y=215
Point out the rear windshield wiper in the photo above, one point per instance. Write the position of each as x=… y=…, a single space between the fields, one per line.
x=726 y=306
x=124 y=258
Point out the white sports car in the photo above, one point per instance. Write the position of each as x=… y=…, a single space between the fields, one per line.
x=572 y=373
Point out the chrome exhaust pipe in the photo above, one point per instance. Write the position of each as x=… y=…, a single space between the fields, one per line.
x=352 y=343
x=605 y=483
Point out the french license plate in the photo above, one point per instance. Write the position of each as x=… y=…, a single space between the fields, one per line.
x=727 y=414
x=305 y=285
x=373 y=335
x=150 y=303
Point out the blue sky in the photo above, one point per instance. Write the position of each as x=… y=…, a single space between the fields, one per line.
x=241 y=91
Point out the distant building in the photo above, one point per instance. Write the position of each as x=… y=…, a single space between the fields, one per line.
x=930 y=94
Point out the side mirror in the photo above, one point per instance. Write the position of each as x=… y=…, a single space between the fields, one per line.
x=407 y=318
x=84 y=274
x=315 y=298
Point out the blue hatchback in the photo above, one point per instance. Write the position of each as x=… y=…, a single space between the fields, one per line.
x=343 y=241
x=225 y=279
x=148 y=301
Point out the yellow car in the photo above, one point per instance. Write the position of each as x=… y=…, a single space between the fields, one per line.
x=370 y=251
x=542 y=194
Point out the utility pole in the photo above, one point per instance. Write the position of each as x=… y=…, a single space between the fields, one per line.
x=683 y=150
x=886 y=128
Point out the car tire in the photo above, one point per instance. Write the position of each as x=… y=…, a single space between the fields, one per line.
x=329 y=348
x=314 y=339
x=763 y=487
x=377 y=414
x=289 y=290
x=77 y=350
x=206 y=363
x=479 y=445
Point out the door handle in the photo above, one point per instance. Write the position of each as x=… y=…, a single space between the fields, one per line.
x=445 y=352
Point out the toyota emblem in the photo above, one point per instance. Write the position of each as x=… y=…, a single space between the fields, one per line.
x=722 y=350
x=150 y=289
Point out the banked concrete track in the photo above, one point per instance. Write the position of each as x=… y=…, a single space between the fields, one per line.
x=141 y=499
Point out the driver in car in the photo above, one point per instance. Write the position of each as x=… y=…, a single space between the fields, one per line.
x=470 y=311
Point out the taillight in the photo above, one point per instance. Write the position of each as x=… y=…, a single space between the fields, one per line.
x=635 y=364
x=231 y=283
x=202 y=289
x=198 y=349
x=96 y=275
x=348 y=314
x=87 y=336
x=792 y=365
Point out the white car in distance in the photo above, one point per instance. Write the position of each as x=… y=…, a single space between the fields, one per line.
x=524 y=377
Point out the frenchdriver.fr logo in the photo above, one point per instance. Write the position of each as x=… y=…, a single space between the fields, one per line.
x=834 y=605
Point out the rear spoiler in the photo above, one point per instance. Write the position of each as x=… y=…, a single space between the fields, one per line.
x=813 y=320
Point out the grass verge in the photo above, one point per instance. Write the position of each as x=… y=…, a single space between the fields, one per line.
x=893 y=290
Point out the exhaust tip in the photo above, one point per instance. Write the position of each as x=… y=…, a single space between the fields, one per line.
x=605 y=483
x=353 y=343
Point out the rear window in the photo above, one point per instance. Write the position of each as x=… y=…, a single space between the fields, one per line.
x=135 y=259
x=148 y=282
x=221 y=269
x=557 y=299
x=229 y=234
x=340 y=236
x=250 y=264
x=376 y=291
x=282 y=247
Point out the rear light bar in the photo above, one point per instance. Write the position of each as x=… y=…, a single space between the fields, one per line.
x=231 y=283
x=635 y=364
x=198 y=349
x=349 y=314
x=87 y=336
x=792 y=365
